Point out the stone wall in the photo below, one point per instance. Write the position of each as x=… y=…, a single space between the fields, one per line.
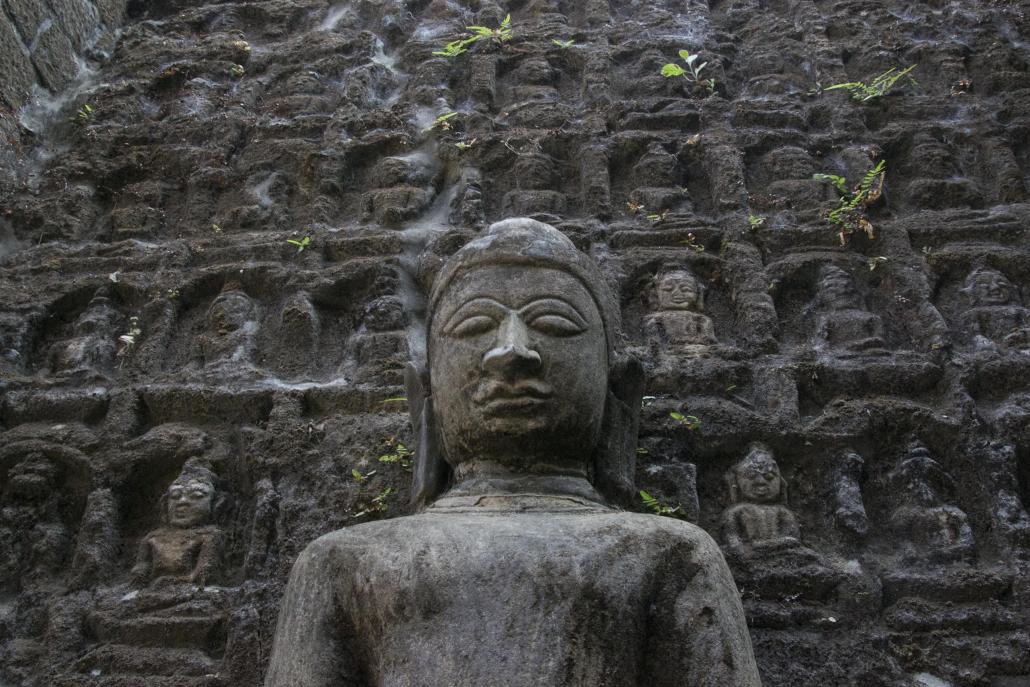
x=222 y=262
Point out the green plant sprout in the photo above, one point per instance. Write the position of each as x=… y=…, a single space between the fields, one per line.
x=876 y=262
x=301 y=244
x=85 y=114
x=358 y=477
x=691 y=422
x=878 y=87
x=657 y=217
x=128 y=339
x=401 y=454
x=849 y=215
x=657 y=507
x=564 y=45
x=756 y=222
x=393 y=399
x=377 y=506
x=443 y=122
x=691 y=243
x=457 y=47
x=701 y=84
x=465 y=145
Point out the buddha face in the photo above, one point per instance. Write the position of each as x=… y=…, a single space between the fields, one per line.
x=33 y=478
x=989 y=287
x=518 y=369
x=535 y=70
x=758 y=479
x=837 y=289
x=229 y=312
x=189 y=502
x=678 y=291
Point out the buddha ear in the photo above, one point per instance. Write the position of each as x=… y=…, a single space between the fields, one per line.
x=430 y=472
x=729 y=478
x=162 y=506
x=615 y=458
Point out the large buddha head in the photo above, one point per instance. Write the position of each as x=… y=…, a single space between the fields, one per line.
x=524 y=373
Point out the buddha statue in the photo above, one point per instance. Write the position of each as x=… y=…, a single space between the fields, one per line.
x=758 y=520
x=931 y=530
x=91 y=349
x=517 y=569
x=995 y=319
x=228 y=343
x=844 y=324
x=188 y=546
x=678 y=323
x=761 y=533
x=34 y=540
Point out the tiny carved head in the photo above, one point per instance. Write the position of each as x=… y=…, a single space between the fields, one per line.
x=33 y=478
x=756 y=478
x=679 y=289
x=918 y=478
x=836 y=289
x=985 y=287
x=98 y=318
x=191 y=497
x=535 y=70
x=230 y=311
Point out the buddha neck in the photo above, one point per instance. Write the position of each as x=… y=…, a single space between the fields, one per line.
x=481 y=478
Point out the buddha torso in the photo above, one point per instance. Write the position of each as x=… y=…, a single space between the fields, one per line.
x=1007 y=325
x=681 y=327
x=851 y=329
x=756 y=523
x=520 y=590
x=179 y=552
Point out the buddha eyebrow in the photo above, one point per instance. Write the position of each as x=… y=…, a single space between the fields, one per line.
x=488 y=304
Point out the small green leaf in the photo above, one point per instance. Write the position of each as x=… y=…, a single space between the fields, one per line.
x=670 y=70
x=685 y=55
x=677 y=416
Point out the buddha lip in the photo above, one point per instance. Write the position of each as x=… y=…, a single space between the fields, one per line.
x=512 y=405
x=498 y=392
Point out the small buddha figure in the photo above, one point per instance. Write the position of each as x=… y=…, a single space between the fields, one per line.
x=94 y=342
x=762 y=536
x=517 y=570
x=34 y=541
x=995 y=320
x=932 y=531
x=534 y=78
x=188 y=546
x=843 y=323
x=678 y=321
x=758 y=521
x=657 y=167
x=228 y=343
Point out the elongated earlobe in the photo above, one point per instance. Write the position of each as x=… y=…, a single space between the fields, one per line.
x=430 y=472
x=615 y=458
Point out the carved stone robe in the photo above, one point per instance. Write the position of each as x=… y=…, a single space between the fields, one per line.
x=513 y=590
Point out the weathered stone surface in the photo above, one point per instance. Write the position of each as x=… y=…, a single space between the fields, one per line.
x=191 y=175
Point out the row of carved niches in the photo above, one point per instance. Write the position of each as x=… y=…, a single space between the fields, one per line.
x=926 y=169
x=840 y=536
x=219 y=328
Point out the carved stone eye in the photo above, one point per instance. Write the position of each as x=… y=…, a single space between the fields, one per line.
x=473 y=326
x=555 y=325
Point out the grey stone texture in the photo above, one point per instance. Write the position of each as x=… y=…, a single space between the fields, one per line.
x=890 y=397
x=44 y=42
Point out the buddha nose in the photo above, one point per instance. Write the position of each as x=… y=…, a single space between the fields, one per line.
x=511 y=351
